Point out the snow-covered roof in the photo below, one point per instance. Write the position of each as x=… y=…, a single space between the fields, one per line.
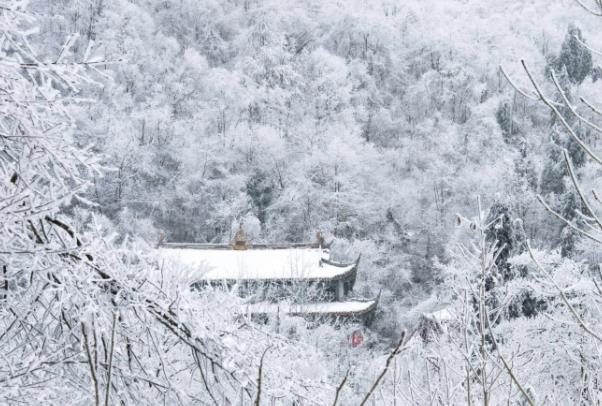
x=347 y=308
x=217 y=264
x=443 y=315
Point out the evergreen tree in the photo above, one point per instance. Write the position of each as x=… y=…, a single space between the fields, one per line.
x=571 y=67
x=576 y=153
x=564 y=82
x=554 y=171
x=501 y=231
x=524 y=169
x=505 y=119
x=574 y=57
x=260 y=190
x=570 y=207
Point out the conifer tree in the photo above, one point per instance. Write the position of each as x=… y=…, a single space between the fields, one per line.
x=501 y=232
x=260 y=190
x=505 y=119
x=570 y=68
x=574 y=57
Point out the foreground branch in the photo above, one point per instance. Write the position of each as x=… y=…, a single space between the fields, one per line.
x=578 y=318
x=340 y=388
x=91 y=364
x=258 y=397
x=394 y=353
x=559 y=116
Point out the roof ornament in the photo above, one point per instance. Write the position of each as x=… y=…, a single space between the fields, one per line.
x=162 y=238
x=319 y=239
x=240 y=241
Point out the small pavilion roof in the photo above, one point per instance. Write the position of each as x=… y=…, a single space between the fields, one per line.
x=288 y=262
x=338 y=309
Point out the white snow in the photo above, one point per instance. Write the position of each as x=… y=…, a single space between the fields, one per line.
x=352 y=306
x=256 y=264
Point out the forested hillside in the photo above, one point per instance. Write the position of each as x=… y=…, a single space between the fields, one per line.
x=409 y=131
x=374 y=123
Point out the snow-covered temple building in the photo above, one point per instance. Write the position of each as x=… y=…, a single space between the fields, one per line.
x=294 y=279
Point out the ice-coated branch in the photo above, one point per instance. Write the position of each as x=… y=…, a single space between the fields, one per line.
x=259 y=374
x=398 y=348
x=507 y=367
x=533 y=97
x=584 y=45
x=559 y=116
x=566 y=221
x=589 y=10
x=578 y=318
x=585 y=201
x=91 y=365
x=110 y=366
x=571 y=107
x=591 y=106
x=340 y=388
x=197 y=360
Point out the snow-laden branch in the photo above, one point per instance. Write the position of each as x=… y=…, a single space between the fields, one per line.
x=578 y=318
x=571 y=108
x=559 y=116
x=589 y=10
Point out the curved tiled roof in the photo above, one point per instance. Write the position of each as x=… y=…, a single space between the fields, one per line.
x=277 y=263
x=337 y=309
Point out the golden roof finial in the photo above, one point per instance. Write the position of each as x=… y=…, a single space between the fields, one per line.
x=320 y=239
x=240 y=241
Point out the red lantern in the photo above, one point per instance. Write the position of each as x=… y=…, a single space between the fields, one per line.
x=357 y=339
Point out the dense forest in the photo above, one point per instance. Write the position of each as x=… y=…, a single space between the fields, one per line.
x=452 y=143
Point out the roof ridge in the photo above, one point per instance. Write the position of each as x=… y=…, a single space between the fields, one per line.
x=207 y=246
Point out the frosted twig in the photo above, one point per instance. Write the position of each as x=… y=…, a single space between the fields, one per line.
x=109 y=369
x=571 y=107
x=505 y=364
x=68 y=44
x=567 y=222
x=589 y=10
x=532 y=97
x=258 y=396
x=548 y=103
x=91 y=364
x=340 y=388
x=580 y=321
x=569 y=166
x=584 y=45
x=591 y=106
x=392 y=355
